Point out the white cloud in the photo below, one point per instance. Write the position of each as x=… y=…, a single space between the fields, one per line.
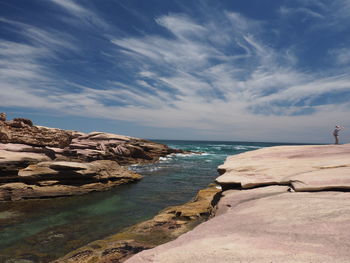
x=307 y=12
x=341 y=56
x=181 y=26
x=215 y=94
x=83 y=14
x=205 y=76
x=330 y=14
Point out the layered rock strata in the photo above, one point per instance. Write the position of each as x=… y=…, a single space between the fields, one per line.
x=281 y=204
x=60 y=178
x=167 y=225
x=41 y=162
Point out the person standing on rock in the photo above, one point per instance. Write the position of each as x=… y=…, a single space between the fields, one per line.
x=336 y=133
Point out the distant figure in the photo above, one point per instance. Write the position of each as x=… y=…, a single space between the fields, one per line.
x=336 y=133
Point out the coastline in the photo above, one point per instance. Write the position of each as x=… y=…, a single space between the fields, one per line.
x=39 y=162
x=279 y=204
x=247 y=176
x=166 y=226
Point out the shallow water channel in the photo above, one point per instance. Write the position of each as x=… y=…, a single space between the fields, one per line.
x=43 y=230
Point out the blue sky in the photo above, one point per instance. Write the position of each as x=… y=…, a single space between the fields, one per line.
x=245 y=70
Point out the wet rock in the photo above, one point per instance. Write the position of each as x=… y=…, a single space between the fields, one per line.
x=167 y=225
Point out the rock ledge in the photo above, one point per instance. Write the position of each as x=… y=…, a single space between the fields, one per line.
x=42 y=162
x=287 y=204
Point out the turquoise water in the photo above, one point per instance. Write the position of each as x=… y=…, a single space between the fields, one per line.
x=42 y=230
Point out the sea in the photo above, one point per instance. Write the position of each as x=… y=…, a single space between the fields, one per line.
x=46 y=229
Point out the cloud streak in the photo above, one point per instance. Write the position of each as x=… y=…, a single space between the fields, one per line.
x=82 y=14
x=217 y=76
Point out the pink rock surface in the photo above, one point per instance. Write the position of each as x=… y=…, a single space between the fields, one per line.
x=284 y=164
x=266 y=224
x=275 y=223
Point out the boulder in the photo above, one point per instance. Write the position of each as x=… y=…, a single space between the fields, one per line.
x=102 y=136
x=3 y=116
x=59 y=178
x=12 y=161
x=24 y=121
x=20 y=132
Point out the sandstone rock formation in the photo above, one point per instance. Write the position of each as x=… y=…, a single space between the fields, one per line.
x=22 y=131
x=167 y=225
x=38 y=162
x=281 y=204
x=3 y=116
x=58 y=178
x=107 y=146
x=308 y=168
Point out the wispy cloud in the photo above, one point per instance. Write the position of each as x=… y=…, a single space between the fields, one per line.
x=25 y=75
x=300 y=10
x=331 y=14
x=202 y=74
x=341 y=56
x=81 y=14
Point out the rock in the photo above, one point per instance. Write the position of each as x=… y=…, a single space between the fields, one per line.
x=12 y=161
x=266 y=224
x=5 y=135
x=102 y=136
x=22 y=133
x=269 y=216
x=52 y=179
x=287 y=164
x=78 y=146
x=122 y=149
x=24 y=121
x=167 y=225
x=11 y=147
x=3 y=116
x=198 y=207
x=324 y=179
x=54 y=162
x=18 y=191
x=19 y=261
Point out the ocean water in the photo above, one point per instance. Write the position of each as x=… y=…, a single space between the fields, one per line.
x=43 y=230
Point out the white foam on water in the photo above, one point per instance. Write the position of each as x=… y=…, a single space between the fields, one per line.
x=186 y=154
x=246 y=147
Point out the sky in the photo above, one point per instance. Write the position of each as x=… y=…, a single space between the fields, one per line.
x=230 y=70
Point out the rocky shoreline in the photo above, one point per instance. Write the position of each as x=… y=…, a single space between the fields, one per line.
x=279 y=204
x=167 y=225
x=40 y=162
